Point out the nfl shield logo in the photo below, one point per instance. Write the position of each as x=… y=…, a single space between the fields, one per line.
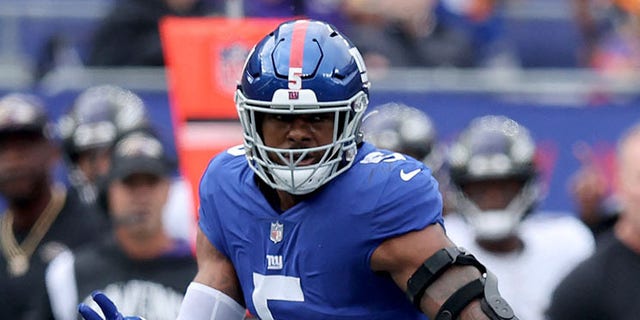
x=230 y=60
x=277 y=229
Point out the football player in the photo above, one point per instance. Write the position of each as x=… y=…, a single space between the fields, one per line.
x=307 y=221
x=496 y=187
x=604 y=286
x=100 y=115
x=89 y=128
x=138 y=255
x=42 y=219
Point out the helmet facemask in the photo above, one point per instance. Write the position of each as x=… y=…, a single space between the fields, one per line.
x=496 y=224
x=302 y=68
x=280 y=168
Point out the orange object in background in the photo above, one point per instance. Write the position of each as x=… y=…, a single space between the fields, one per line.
x=631 y=6
x=198 y=142
x=204 y=59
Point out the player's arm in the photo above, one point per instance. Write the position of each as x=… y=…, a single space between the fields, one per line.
x=215 y=291
x=215 y=270
x=214 y=294
x=459 y=290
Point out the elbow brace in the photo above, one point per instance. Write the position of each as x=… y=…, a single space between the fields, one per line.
x=202 y=302
x=485 y=287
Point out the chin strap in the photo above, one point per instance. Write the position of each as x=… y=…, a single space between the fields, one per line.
x=486 y=287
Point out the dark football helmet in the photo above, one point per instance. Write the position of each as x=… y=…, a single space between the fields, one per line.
x=494 y=148
x=98 y=116
x=303 y=67
x=401 y=128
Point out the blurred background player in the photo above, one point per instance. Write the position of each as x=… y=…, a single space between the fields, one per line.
x=407 y=130
x=89 y=128
x=141 y=266
x=495 y=191
x=605 y=286
x=98 y=116
x=401 y=128
x=42 y=219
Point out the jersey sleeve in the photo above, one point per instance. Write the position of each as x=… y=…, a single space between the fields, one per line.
x=208 y=215
x=407 y=203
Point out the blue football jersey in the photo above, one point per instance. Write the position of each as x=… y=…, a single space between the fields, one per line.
x=313 y=260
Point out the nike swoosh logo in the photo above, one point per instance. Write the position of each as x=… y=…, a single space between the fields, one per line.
x=406 y=176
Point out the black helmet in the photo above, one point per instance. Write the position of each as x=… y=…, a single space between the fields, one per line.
x=98 y=116
x=494 y=148
x=401 y=128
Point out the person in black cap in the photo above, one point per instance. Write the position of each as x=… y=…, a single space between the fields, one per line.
x=41 y=219
x=98 y=116
x=139 y=256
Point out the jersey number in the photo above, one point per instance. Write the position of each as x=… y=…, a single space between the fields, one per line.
x=274 y=288
x=377 y=157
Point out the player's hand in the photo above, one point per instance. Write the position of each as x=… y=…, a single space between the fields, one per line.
x=107 y=306
x=588 y=186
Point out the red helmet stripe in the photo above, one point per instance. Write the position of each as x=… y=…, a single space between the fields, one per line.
x=297 y=43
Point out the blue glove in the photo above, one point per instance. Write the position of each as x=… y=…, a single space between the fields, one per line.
x=109 y=309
